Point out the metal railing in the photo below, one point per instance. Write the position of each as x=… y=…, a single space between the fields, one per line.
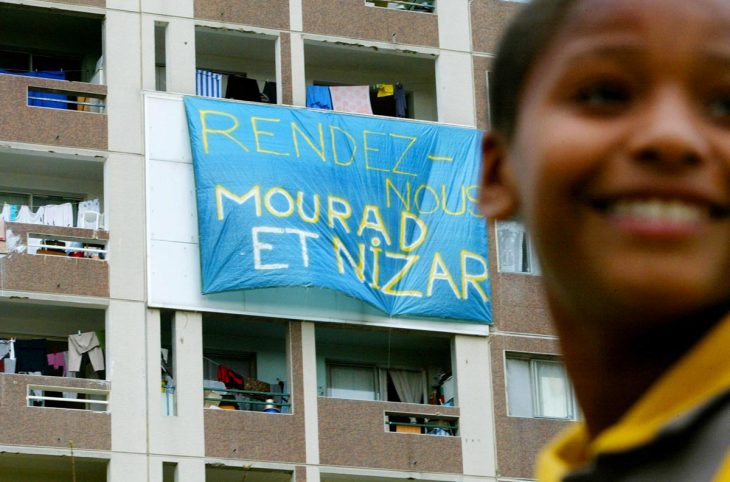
x=36 y=397
x=414 y=5
x=62 y=99
x=91 y=248
x=248 y=397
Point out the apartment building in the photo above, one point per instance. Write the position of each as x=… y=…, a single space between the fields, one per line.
x=161 y=383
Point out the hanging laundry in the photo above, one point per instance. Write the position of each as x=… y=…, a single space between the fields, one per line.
x=84 y=343
x=7 y=348
x=355 y=99
x=318 y=97
x=91 y=205
x=385 y=90
x=31 y=356
x=270 y=92
x=230 y=378
x=58 y=360
x=10 y=212
x=401 y=108
x=382 y=104
x=26 y=215
x=208 y=83
x=243 y=88
x=59 y=215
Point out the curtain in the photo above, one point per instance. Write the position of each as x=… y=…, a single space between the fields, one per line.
x=408 y=384
x=510 y=236
x=355 y=383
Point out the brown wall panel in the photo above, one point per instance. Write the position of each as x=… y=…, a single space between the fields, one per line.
x=346 y=18
x=259 y=13
x=50 y=427
x=42 y=125
x=286 y=82
x=344 y=424
x=488 y=20
x=258 y=435
x=519 y=439
x=518 y=300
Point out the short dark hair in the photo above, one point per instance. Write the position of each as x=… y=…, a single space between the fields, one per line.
x=527 y=37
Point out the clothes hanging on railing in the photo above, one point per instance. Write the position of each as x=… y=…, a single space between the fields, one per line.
x=84 y=343
x=31 y=356
x=58 y=361
x=380 y=99
x=230 y=378
x=401 y=106
x=270 y=92
x=208 y=83
x=355 y=99
x=243 y=88
x=59 y=215
x=318 y=97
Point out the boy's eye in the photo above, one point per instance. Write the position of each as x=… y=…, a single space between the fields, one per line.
x=720 y=107
x=603 y=95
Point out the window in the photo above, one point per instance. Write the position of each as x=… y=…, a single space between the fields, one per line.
x=368 y=382
x=538 y=387
x=516 y=253
x=352 y=382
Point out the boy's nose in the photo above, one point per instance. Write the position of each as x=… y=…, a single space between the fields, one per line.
x=669 y=134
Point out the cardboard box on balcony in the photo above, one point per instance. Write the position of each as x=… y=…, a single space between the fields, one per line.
x=407 y=429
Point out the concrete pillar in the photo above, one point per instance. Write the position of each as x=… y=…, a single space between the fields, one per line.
x=124 y=467
x=125 y=334
x=454 y=70
x=124 y=205
x=180 y=56
x=470 y=361
x=181 y=434
x=124 y=81
x=298 y=79
x=309 y=382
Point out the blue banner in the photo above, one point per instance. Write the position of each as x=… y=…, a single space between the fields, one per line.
x=383 y=210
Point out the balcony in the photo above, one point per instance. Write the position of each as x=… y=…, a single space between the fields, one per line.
x=51 y=71
x=402 y=23
x=379 y=392
x=247 y=390
x=339 y=65
x=44 y=468
x=52 y=269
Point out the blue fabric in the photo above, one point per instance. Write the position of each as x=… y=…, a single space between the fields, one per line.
x=381 y=209
x=59 y=100
x=401 y=108
x=318 y=97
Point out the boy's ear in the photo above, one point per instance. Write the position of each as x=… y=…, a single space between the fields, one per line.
x=497 y=196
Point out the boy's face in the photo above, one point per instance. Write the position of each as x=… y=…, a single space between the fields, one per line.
x=620 y=163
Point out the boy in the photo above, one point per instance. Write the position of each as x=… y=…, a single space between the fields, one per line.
x=612 y=140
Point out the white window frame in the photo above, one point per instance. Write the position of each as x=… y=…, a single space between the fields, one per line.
x=534 y=361
x=532 y=266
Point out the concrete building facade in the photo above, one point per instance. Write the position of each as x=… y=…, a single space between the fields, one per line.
x=123 y=59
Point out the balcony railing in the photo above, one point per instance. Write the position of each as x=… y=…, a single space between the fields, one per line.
x=94 y=399
x=414 y=5
x=251 y=400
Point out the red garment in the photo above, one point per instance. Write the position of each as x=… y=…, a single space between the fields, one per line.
x=229 y=377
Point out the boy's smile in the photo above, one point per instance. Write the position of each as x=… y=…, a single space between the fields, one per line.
x=621 y=158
